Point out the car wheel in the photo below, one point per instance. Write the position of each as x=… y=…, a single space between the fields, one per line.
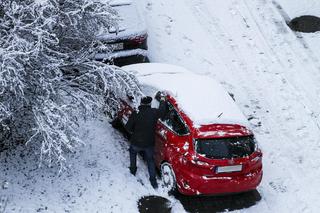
x=168 y=178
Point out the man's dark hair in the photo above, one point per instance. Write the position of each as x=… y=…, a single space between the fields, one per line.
x=146 y=100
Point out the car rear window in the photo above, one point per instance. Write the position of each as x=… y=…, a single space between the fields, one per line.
x=225 y=148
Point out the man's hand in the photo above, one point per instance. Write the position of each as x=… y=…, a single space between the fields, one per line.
x=160 y=96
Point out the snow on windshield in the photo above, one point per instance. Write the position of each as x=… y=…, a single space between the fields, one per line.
x=131 y=23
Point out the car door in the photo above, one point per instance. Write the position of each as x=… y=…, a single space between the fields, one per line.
x=171 y=134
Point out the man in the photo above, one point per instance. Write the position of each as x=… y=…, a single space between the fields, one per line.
x=142 y=125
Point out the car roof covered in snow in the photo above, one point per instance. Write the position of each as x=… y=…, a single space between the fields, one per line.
x=131 y=22
x=199 y=96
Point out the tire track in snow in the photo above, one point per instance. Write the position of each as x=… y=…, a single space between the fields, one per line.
x=310 y=96
x=287 y=94
x=298 y=35
x=260 y=87
x=292 y=65
x=237 y=58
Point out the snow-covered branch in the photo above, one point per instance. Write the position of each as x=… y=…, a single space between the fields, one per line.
x=47 y=80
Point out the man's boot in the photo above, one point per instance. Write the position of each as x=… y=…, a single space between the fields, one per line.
x=133 y=170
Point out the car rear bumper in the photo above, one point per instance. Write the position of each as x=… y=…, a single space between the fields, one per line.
x=124 y=57
x=192 y=184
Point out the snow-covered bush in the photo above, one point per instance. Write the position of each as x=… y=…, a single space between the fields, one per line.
x=47 y=80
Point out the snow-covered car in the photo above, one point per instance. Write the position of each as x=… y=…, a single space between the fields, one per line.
x=204 y=144
x=129 y=42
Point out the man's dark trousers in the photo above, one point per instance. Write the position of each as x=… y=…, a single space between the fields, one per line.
x=148 y=153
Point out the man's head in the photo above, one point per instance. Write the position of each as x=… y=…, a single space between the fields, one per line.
x=146 y=101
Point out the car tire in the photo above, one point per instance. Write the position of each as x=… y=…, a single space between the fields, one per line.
x=168 y=178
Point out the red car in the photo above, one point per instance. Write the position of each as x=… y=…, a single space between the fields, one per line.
x=203 y=145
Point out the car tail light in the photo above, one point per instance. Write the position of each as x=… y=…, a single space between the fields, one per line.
x=186 y=158
x=186 y=146
x=197 y=162
x=185 y=184
x=201 y=163
x=256 y=158
x=139 y=39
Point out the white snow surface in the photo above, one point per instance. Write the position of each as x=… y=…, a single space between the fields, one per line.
x=246 y=45
x=131 y=23
x=199 y=96
x=296 y=8
x=124 y=53
x=97 y=180
x=119 y=2
x=273 y=72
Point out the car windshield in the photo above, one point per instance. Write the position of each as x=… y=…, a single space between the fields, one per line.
x=226 y=148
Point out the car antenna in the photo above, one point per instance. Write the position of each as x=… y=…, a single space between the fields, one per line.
x=220 y=115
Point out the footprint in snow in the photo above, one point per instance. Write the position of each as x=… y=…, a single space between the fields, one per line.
x=149 y=6
x=140 y=181
x=168 y=29
x=186 y=38
x=187 y=52
x=278 y=186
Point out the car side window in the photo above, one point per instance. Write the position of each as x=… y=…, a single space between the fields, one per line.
x=173 y=120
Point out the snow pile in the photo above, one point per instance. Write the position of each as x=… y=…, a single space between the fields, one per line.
x=200 y=97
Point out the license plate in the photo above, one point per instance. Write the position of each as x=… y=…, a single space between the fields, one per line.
x=116 y=46
x=228 y=169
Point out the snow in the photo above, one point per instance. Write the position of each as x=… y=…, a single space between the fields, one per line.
x=199 y=96
x=292 y=9
x=274 y=75
x=118 y=54
x=131 y=24
x=120 y=2
x=97 y=180
x=296 y=8
x=246 y=45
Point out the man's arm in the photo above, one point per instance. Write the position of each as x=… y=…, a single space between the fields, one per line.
x=162 y=110
x=131 y=122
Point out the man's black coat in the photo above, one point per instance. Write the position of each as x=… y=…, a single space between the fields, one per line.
x=142 y=124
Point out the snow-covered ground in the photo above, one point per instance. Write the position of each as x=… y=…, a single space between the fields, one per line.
x=98 y=179
x=245 y=45
x=273 y=73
